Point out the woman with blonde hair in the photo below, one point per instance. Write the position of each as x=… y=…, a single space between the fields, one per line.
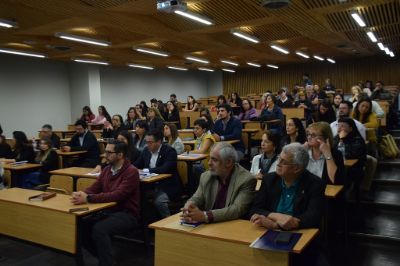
x=154 y=119
x=355 y=92
x=325 y=162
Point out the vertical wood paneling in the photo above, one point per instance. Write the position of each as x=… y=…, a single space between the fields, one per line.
x=342 y=74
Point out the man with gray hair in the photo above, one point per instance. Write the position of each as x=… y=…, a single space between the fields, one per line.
x=291 y=197
x=225 y=192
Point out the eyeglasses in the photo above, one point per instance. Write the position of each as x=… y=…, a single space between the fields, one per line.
x=281 y=161
x=313 y=136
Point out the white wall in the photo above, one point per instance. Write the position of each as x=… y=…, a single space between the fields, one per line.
x=214 y=85
x=79 y=89
x=33 y=92
x=124 y=87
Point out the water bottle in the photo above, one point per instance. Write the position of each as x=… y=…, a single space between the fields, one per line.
x=342 y=149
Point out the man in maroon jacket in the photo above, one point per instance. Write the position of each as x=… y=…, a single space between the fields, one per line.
x=118 y=182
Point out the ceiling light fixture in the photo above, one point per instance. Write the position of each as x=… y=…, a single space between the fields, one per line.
x=372 y=36
x=331 y=60
x=194 y=16
x=280 y=49
x=319 y=58
x=141 y=66
x=76 y=38
x=197 y=59
x=245 y=36
x=391 y=54
x=229 y=62
x=206 y=69
x=272 y=66
x=253 y=64
x=151 y=51
x=18 y=52
x=387 y=51
x=381 y=46
x=8 y=23
x=177 y=68
x=90 y=61
x=302 y=55
x=228 y=70
x=358 y=19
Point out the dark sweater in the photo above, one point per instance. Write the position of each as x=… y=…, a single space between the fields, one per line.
x=92 y=157
x=122 y=188
x=5 y=150
x=309 y=199
x=26 y=153
x=49 y=164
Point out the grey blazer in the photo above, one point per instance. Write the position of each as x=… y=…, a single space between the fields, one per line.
x=241 y=192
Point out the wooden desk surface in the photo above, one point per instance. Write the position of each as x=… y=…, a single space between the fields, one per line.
x=19 y=167
x=69 y=139
x=60 y=203
x=192 y=157
x=250 y=130
x=83 y=172
x=70 y=153
x=236 y=231
x=331 y=191
x=192 y=142
x=351 y=162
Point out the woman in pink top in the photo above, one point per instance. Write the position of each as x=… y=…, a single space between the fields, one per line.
x=102 y=117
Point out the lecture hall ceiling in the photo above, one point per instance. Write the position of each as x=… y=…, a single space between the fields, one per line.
x=314 y=27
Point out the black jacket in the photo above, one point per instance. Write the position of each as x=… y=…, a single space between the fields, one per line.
x=340 y=172
x=309 y=199
x=156 y=123
x=5 y=150
x=112 y=133
x=166 y=164
x=92 y=157
x=51 y=163
x=26 y=153
x=55 y=140
x=173 y=117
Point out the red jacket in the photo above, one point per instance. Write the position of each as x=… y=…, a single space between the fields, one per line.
x=122 y=188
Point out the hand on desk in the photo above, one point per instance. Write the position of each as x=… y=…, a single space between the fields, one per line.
x=263 y=221
x=96 y=170
x=192 y=214
x=66 y=148
x=216 y=137
x=79 y=197
x=286 y=222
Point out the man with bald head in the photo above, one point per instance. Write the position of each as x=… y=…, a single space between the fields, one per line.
x=225 y=191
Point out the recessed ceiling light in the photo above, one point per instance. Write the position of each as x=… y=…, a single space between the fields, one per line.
x=245 y=36
x=302 y=55
x=206 y=69
x=151 y=51
x=253 y=64
x=331 y=60
x=194 y=16
x=280 y=49
x=90 y=61
x=272 y=66
x=381 y=46
x=372 y=36
x=228 y=70
x=387 y=51
x=197 y=59
x=8 y=23
x=391 y=54
x=76 y=38
x=177 y=68
x=229 y=62
x=18 y=52
x=141 y=66
x=358 y=19
x=319 y=58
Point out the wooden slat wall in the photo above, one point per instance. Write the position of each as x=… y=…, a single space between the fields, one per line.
x=343 y=75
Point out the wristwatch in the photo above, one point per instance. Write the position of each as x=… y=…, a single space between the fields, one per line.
x=328 y=158
x=205 y=217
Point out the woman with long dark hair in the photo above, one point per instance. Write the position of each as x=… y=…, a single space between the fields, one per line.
x=102 y=117
x=295 y=132
x=172 y=138
x=87 y=114
x=172 y=114
x=22 y=149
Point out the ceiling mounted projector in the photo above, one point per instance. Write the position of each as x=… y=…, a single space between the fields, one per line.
x=275 y=4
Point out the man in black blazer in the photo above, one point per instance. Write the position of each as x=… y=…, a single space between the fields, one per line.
x=291 y=197
x=84 y=140
x=160 y=158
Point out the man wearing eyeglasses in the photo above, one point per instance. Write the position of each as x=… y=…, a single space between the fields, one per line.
x=291 y=197
x=118 y=182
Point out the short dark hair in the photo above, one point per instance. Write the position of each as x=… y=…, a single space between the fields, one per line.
x=201 y=123
x=48 y=126
x=349 y=104
x=142 y=124
x=119 y=146
x=173 y=95
x=154 y=100
x=227 y=107
x=82 y=123
x=156 y=133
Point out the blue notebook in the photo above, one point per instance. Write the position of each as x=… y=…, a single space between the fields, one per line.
x=268 y=241
x=190 y=224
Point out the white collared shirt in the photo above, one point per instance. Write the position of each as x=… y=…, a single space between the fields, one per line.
x=154 y=157
x=82 y=138
x=316 y=167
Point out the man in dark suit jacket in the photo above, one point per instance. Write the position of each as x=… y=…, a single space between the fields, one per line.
x=291 y=197
x=84 y=140
x=160 y=158
x=228 y=127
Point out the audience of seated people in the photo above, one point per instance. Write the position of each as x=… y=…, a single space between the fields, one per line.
x=87 y=114
x=111 y=130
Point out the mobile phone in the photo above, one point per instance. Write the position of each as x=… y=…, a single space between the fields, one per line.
x=78 y=209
